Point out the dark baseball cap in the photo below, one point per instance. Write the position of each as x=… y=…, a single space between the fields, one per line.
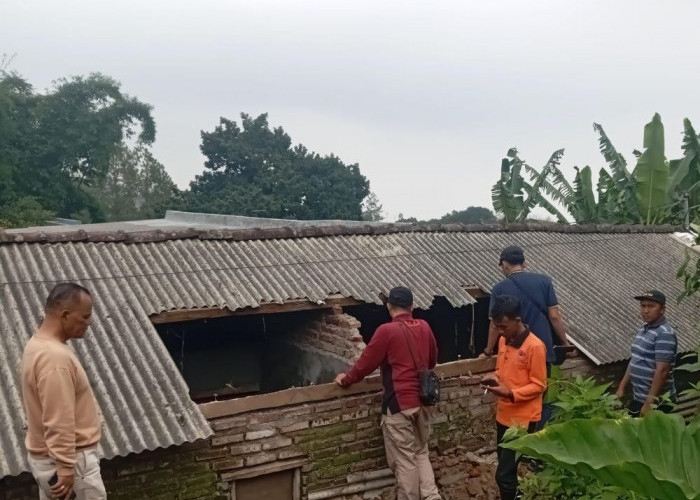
x=512 y=254
x=401 y=296
x=653 y=295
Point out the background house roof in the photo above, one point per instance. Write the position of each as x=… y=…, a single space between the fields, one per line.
x=134 y=275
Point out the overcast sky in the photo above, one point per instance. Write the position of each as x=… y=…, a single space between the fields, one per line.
x=426 y=96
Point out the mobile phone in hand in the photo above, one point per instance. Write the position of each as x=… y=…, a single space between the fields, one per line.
x=54 y=479
x=489 y=382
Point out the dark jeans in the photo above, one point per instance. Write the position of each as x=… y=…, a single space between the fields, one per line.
x=507 y=470
x=635 y=408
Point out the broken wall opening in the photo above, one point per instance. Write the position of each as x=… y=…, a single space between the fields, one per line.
x=235 y=356
x=460 y=332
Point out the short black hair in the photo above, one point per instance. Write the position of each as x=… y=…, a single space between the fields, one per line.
x=65 y=294
x=506 y=306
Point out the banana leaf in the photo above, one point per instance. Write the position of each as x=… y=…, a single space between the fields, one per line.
x=685 y=172
x=607 y=194
x=657 y=455
x=534 y=197
x=586 y=208
x=543 y=203
x=506 y=193
x=652 y=173
x=625 y=201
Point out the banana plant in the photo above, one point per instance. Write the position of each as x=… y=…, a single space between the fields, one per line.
x=513 y=197
x=685 y=172
x=651 y=175
x=653 y=193
x=657 y=455
x=507 y=193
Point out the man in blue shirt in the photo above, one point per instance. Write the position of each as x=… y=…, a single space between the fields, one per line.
x=540 y=308
x=653 y=357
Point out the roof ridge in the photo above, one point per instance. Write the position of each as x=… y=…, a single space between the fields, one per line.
x=243 y=234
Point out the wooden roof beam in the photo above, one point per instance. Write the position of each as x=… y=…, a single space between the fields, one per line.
x=179 y=315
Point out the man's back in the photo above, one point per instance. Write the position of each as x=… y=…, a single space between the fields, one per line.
x=393 y=347
x=536 y=294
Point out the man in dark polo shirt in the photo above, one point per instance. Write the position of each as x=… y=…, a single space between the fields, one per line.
x=653 y=357
x=401 y=348
x=539 y=305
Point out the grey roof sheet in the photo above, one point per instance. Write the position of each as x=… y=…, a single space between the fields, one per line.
x=595 y=271
x=177 y=220
x=144 y=400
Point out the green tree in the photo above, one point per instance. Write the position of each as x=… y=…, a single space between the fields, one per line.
x=472 y=215
x=23 y=212
x=54 y=145
x=254 y=170
x=408 y=220
x=136 y=186
x=372 y=210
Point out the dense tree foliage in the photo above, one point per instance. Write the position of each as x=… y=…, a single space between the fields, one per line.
x=55 y=145
x=471 y=215
x=136 y=187
x=254 y=170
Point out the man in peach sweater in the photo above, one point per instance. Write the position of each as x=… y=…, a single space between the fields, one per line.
x=64 y=423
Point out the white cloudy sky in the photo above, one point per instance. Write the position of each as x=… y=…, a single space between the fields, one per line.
x=426 y=96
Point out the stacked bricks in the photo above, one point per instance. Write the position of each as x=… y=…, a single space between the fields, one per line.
x=166 y=474
x=338 y=444
x=333 y=334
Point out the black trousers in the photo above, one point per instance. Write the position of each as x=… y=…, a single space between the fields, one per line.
x=507 y=470
x=635 y=408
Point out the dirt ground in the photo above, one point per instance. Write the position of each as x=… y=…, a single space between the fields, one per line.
x=461 y=475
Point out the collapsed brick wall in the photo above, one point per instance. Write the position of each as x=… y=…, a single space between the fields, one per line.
x=176 y=473
x=338 y=445
x=333 y=334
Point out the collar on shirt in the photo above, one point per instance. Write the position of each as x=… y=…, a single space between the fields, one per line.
x=656 y=323
x=403 y=317
x=518 y=340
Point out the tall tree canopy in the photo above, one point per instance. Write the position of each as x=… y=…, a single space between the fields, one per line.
x=254 y=170
x=54 y=145
x=136 y=187
x=472 y=215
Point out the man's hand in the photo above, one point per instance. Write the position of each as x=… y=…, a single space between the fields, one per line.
x=339 y=379
x=620 y=393
x=646 y=408
x=63 y=489
x=573 y=352
x=499 y=390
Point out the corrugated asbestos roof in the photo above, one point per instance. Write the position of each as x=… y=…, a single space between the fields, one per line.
x=144 y=400
x=596 y=271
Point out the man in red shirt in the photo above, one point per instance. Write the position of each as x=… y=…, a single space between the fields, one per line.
x=519 y=382
x=398 y=347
